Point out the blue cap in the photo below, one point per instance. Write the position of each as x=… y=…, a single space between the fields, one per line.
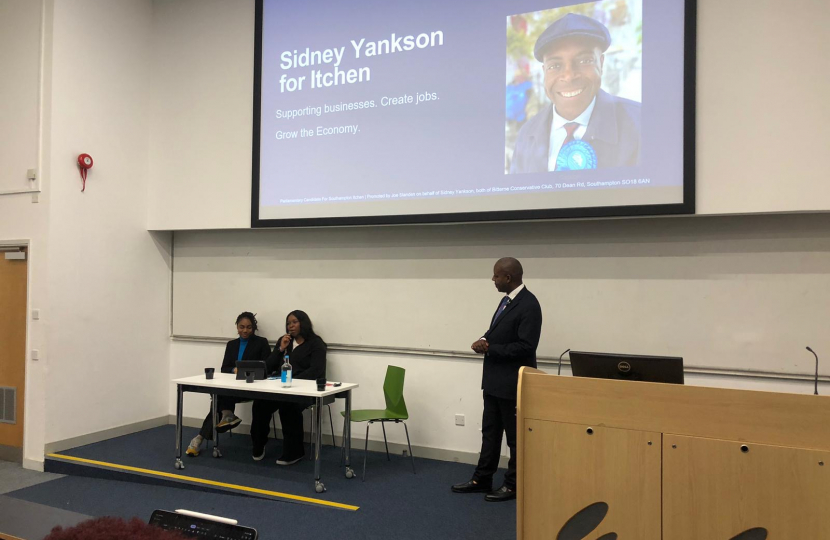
x=570 y=25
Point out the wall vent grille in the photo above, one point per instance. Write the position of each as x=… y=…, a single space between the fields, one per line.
x=8 y=401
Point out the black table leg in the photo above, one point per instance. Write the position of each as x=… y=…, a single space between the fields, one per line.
x=179 y=403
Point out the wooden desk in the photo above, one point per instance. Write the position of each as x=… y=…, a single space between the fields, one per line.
x=670 y=461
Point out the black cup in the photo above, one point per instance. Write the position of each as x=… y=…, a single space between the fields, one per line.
x=209 y=372
x=321 y=384
x=249 y=376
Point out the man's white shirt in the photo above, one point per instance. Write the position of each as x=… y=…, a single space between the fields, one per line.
x=558 y=132
x=511 y=296
x=515 y=291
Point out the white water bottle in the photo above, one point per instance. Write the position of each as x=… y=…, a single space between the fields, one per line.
x=286 y=373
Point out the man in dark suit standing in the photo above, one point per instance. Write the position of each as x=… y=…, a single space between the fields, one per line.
x=509 y=344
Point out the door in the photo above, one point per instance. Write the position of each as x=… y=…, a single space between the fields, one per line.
x=12 y=354
x=722 y=490
x=591 y=483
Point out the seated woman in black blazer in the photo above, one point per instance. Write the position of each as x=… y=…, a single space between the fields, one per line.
x=248 y=346
x=307 y=354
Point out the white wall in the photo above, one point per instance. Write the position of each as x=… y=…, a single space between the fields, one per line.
x=20 y=23
x=201 y=114
x=761 y=149
x=709 y=289
x=108 y=277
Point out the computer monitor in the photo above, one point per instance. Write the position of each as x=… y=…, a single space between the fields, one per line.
x=627 y=367
x=258 y=368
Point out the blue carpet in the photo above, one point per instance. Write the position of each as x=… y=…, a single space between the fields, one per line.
x=393 y=502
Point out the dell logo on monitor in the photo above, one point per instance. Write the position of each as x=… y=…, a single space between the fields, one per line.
x=624 y=367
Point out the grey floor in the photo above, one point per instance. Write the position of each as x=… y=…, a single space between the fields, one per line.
x=13 y=477
x=28 y=520
x=32 y=521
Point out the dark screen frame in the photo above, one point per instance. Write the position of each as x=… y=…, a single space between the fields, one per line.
x=657 y=369
x=684 y=208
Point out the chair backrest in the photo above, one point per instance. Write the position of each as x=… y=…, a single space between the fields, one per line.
x=393 y=391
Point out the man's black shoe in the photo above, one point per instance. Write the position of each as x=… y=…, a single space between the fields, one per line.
x=504 y=493
x=472 y=486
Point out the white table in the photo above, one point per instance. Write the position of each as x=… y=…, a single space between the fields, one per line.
x=301 y=391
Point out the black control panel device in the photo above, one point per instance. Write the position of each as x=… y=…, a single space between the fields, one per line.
x=200 y=527
x=257 y=367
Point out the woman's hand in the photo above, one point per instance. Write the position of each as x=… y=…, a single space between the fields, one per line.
x=285 y=341
x=234 y=371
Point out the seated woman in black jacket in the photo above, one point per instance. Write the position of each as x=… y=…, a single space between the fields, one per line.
x=307 y=354
x=248 y=346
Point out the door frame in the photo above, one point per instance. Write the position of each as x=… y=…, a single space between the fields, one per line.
x=24 y=244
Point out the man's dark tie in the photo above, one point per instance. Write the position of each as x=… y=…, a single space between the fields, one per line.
x=502 y=306
x=570 y=129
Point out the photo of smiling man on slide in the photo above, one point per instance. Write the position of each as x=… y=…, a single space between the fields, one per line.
x=577 y=124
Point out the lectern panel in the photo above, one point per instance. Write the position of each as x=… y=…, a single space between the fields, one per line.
x=596 y=479
x=717 y=489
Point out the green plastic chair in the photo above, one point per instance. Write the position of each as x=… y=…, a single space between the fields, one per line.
x=395 y=411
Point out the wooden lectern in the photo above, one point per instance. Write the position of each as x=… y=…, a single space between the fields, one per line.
x=641 y=461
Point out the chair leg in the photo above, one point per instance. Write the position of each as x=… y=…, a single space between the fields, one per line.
x=383 y=425
x=366 y=450
x=410 y=447
x=331 y=424
x=274 y=425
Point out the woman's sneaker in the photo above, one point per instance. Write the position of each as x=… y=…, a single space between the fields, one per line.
x=195 y=446
x=227 y=423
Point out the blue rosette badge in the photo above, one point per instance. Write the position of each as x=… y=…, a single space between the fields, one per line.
x=576 y=156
